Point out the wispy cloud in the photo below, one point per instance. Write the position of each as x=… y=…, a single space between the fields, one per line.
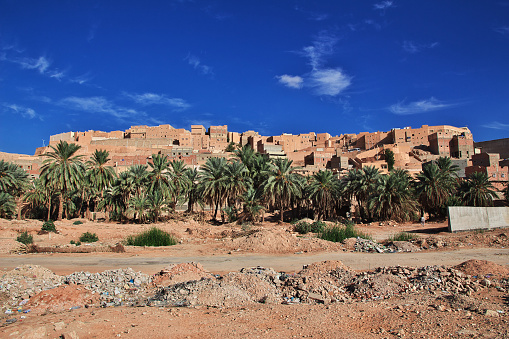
x=99 y=105
x=25 y=112
x=291 y=81
x=146 y=99
x=81 y=79
x=198 y=65
x=414 y=47
x=92 y=31
x=502 y=30
x=381 y=6
x=417 y=107
x=497 y=125
x=321 y=79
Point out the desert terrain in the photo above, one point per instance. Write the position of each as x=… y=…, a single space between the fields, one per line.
x=264 y=280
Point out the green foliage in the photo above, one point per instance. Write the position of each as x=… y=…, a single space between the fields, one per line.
x=89 y=237
x=25 y=238
x=232 y=213
x=477 y=190
x=303 y=227
x=49 y=226
x=403 y=236
x=152 y=237
x=7 y=205
x=230 y=147
x=77 y=222
x=389 y=159
x=77 y=243
x=339 y=233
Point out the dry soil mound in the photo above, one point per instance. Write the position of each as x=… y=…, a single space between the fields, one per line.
x=178 y=273
x=279 y=242
x=64 y=297
x=483 y=268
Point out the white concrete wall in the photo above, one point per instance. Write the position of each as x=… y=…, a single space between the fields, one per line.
x=464 y=218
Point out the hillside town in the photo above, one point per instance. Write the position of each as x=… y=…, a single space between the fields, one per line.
x=309 y=152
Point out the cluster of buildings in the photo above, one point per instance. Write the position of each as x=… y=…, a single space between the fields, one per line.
x=311 y=152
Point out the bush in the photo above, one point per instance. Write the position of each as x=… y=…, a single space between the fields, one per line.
x=49 y=226
x=77 y=243
x=152 y=237
x=339 y=233
x=302 y=227
x=25 y=238
x=77 y=222
x=403 y=236
x=89 y=237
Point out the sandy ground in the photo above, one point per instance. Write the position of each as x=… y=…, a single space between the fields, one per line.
x=226 y=248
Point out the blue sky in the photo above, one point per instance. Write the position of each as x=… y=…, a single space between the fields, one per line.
x=343 y=66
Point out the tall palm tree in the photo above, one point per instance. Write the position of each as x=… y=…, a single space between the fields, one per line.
x=446 y=166
x=7 y=205
x=237 y=181
x=180 y=182
x=138 y=178
x=193 y=194
x=99 y=176
x=252 y=205
x=393 y=198
x=433 y=187
x=324 y=191
x=477 y=190
x=14 y=181
x=246 y=154
x=159 y=176
x=138 y=206
x=212 y=183
x=283 y=185
x=63 y=170
x=157 y=204
x=361 y=184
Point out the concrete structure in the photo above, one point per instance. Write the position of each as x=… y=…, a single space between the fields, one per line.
x=500 y=146
x=463 y=218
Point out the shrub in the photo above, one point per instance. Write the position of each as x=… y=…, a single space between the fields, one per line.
x=403 y=236
x=152 y=237
x=302 y=227
x=77 y=222
x=77 y=243
x=339 y=233
x=25 y=238
x=317 y=226
x=49 y=226
x=89 y=237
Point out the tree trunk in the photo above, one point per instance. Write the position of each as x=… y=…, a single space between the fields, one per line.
x=49 y=209
x=60 y=207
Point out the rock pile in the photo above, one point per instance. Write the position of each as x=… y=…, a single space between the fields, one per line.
x=115 y=287
x=366 y=245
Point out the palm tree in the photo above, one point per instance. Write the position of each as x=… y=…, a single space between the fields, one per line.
x=63 y=170
x=477 y=190
x=212 y=182
x=324 y=191
x=159 y=178
x=193 y=194
x=157 y=203
x=361 y=184
x=446 y=166
x=237 y=181
x=138 y=178
x=180 y=182
x=14 y=181
x=252 y=205
x=246 y=154
x=433 y=187
x=283 y=185
x=506 y=192
x=138 y=206
x=7 y=205
x=393 y=198
x=100 y=175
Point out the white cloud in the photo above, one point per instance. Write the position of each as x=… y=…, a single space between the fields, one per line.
x=158 y=99
x=413 y=47
x=383 y=5
x=416 y=107
x=328 y=81
x=322 y=80
x=197 y=64
x=502 y=30
x=98 y=105
x=41 y=64
x=290 y=80
x=497 y=125
x=81 y=79
x=25 y=112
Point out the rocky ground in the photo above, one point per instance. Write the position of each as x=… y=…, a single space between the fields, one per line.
x=323 y=299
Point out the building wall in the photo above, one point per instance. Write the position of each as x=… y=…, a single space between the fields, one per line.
x=500 y=146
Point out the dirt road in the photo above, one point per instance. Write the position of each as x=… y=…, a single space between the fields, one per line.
x=94 y=262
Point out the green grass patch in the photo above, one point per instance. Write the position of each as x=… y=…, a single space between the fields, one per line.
x=89 y=237
x=304 y=227
x=152 y=237
x=49 y=226
x=25 y=238
x=77 y=222
x=403 y=236
x=338 y=233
